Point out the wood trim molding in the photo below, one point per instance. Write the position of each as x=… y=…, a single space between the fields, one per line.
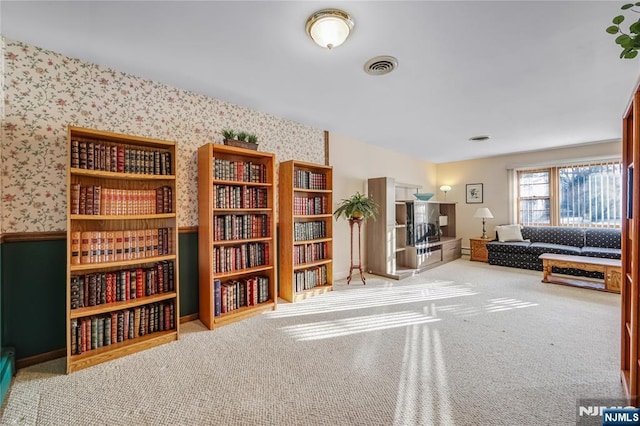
x=37 y=359
x=326 y=148
x=188 y=318
x=17 y=237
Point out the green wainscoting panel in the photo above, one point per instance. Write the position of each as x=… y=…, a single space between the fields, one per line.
x=188 y=273
x=33 y=296
x=33 y=292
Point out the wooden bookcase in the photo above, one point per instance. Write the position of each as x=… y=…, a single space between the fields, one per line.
x=122 y=245
x=236 y=228
x=630 y=321
x=306 y=230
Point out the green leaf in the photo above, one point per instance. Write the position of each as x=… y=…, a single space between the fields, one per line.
x=635 y=27
x=627 y=43
x=627 y=6
x=622 y=39
x=613 y=29
x=638 y=3
x=631 y=54
x=618 y=19
x=625 y=51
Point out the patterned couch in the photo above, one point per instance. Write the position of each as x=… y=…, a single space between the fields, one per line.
x=592 y=242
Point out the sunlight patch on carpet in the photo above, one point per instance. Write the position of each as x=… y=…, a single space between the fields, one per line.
x=348 y=326
x=361 y=298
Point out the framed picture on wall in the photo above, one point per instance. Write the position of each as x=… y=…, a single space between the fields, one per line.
x=474 y=193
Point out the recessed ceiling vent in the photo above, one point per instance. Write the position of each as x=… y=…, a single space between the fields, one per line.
x=479 y=138
x=381 y=65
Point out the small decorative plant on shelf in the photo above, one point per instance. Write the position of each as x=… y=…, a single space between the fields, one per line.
x=630 y=43
x=357 y=207
x=240 y=139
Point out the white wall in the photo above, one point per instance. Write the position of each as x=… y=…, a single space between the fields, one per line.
x=354 y=162
x=492 y=173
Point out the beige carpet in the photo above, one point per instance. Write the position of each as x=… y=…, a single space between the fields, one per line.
x=465 y=344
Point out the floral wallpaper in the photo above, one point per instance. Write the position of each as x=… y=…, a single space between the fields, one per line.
x=46 y=91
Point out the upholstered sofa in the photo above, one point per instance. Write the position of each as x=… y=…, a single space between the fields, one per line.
x=592 y=242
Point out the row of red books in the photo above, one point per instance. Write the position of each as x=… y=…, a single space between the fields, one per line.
x=235 y=294
x=309 y=180
x=96 y=200
x=310 y=205
x=115 y=246
x=103 y=330
x=109 y=287
x=310 y=252
x=104 y=156
x=243 y=256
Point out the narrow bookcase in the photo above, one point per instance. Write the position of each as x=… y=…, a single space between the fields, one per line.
x=306 y=229
x=236 y=228
x=122 y=245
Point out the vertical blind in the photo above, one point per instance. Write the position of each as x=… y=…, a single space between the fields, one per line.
x=582 y=195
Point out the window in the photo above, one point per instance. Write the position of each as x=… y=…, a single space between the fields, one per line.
x=586 y=195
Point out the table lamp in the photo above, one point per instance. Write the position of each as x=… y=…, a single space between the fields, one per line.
x=484 y=213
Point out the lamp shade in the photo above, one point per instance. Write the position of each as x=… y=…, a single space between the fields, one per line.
x=329 y=27
x=445 y=188
x=483 y=212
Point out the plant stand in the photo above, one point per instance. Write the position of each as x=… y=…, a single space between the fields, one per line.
x=359 y=265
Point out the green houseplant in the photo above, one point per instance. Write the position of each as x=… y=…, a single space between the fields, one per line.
x=357 y=206
x=240 y=139
x=630 y=43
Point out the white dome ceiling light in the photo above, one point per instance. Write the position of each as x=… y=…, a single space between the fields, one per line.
x=329 y=28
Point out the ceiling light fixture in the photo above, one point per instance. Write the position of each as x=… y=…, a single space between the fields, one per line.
x=329 y=27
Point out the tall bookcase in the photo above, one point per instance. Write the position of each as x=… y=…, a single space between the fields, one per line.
x=630 y=324
x=236 y=228
x=122 y=245
x=306 y=229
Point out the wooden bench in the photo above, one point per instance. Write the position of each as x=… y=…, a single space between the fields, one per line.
x=611 y=268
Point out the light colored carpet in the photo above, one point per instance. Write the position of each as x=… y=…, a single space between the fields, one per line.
x=465 y=344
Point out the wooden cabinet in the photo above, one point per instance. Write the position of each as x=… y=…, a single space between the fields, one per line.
x=479 y=250
x=306 y=230
x=236 y=228
x=122 y=245
x=396 y=246
x=630 y=318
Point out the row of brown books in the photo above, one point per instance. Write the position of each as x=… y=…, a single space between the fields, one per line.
x=109 y=287
x=310 y=252
x=239 y=227
x=115 y=246
x=234 y=294
x=239 y=197
x=310 y=278
x=104 y=156
x=103 y=330
x=304 y=231
x=310 y=205
x=96 y=200
x=309 y=180
x=243 y=256
x=242 y=171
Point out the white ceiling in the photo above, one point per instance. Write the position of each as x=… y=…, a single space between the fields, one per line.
x=533 y=75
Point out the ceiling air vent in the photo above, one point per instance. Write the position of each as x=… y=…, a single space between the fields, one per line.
x=479 y=138
x=380 y=65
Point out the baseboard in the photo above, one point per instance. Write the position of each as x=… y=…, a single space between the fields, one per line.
x=188 y=318
x=37 y=359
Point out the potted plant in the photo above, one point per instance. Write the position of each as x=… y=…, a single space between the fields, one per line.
x=630 y=43
x=357 y=206
x=240 y=139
